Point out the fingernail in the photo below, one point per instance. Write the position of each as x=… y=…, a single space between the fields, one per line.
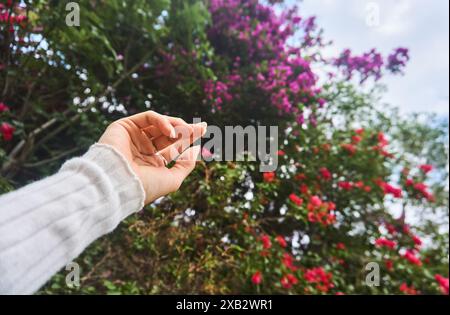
x=204 y=126
x=173 y=134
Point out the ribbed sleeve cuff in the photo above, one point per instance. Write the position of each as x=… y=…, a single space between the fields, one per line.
x=45 y=225
x=125 y=184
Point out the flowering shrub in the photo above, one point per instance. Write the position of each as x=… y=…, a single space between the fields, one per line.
x=351 y=178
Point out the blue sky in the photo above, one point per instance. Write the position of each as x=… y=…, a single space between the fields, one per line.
x=422 y=26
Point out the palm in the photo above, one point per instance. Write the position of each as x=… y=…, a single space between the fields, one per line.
x=146 y=145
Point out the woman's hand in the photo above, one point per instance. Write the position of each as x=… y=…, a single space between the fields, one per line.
x=149 y=141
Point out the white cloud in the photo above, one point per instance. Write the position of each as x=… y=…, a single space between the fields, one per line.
x=421 y=26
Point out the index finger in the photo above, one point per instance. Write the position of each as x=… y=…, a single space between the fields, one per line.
x=149 y=118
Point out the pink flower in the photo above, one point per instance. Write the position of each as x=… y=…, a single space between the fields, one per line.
x=257 y=278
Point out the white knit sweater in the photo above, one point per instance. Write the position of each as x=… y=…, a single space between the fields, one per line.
x=46 y=224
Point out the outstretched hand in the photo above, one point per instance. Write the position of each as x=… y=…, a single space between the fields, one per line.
x=149 y=141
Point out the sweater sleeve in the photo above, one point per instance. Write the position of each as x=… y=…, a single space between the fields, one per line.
x=45 y=225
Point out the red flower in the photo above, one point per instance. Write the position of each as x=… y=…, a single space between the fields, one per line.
x=312 y=217
x=443 y=283
x=389 y=189
x=292 y=279
x=359 y=185
x=281 y=153
x=269 y=177
x=325 y=173
x=280 y=239
x=315 y=201
x=417 y=240
x=265 y=239
x=345 y=185
x=383 y=242
x=389 y=265
x=326 y=147
x=296 y=199
x=340 y=246
x=288 y=261
x=257 y=278
x=356 y=139
x=3 y=107
x=360 y=131
x=350 y=148
x=322 y=279
x=423 y=189
x=408 y=290
x=304 y=189
x=426 y=168
x=406 y=229
x=7 y=131
x=331 y=218
x=420 y=187
x=367 y=188
x=409 y=182
x=382 y=141
x=285 y=282
x=391 y=229
x=412 y=258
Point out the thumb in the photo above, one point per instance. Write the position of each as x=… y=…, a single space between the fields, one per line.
x=185 y=163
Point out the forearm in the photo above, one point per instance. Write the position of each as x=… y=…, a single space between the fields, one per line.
x=45 y=225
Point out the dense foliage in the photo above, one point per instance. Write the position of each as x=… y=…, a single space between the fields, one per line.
x=356 y=182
